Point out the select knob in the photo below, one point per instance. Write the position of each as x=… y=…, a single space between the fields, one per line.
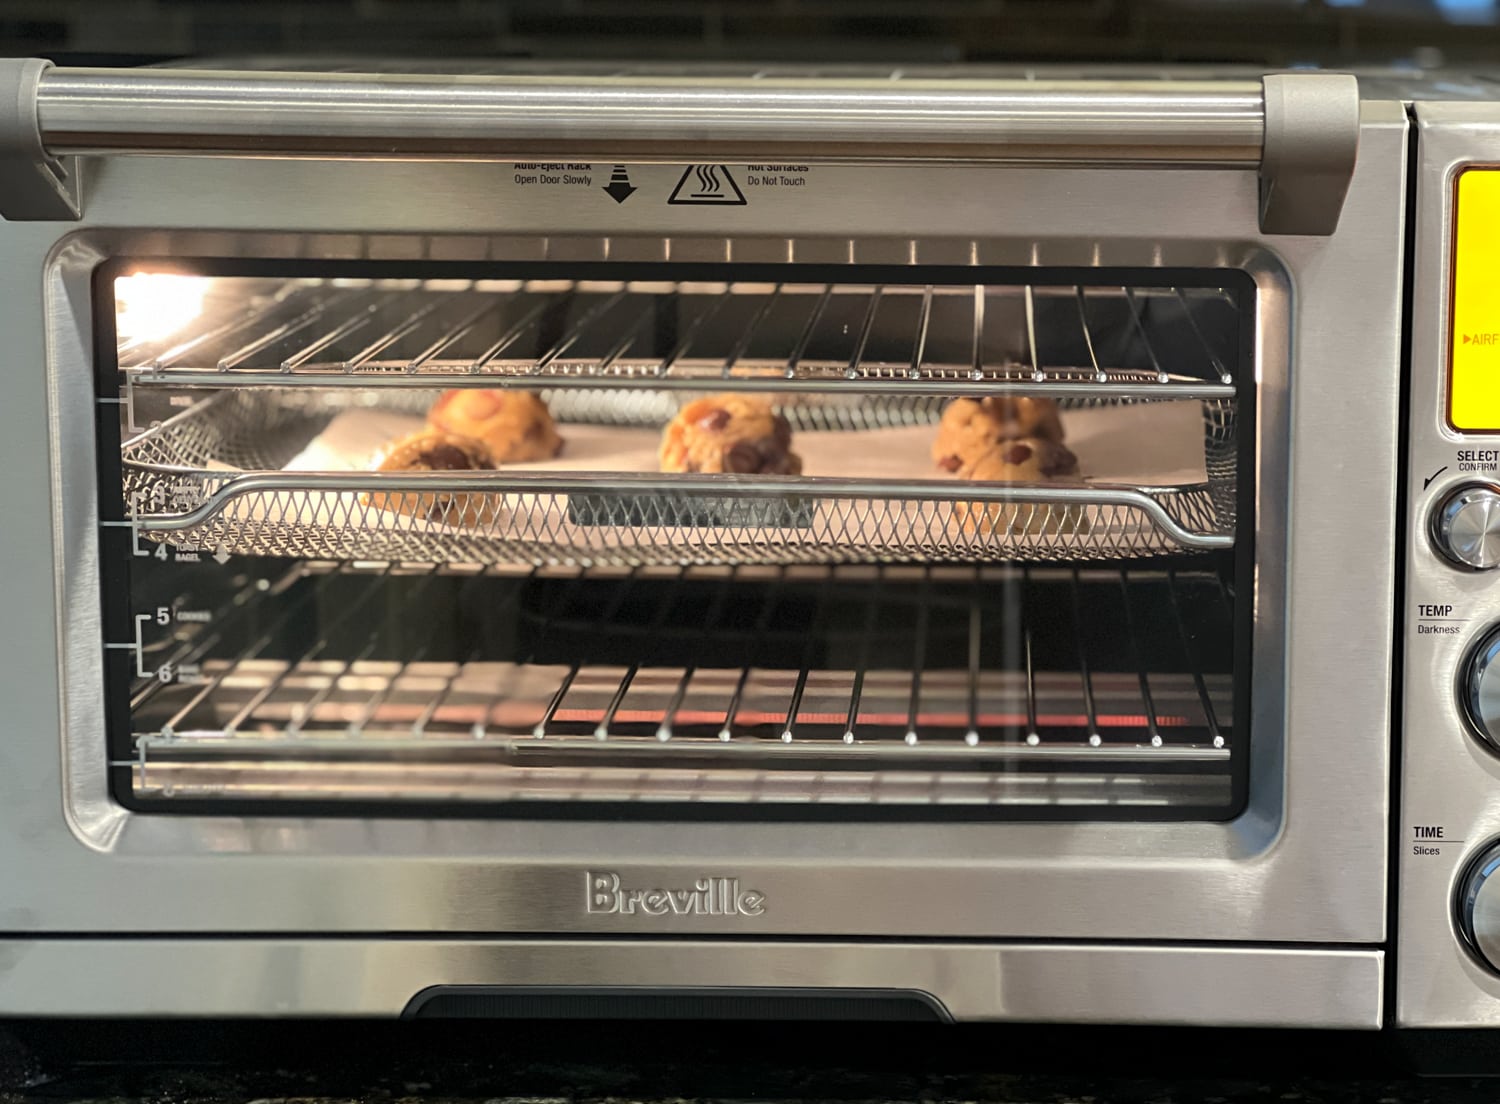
x=1466 y=527
x=1479 y=688
x=1478 y=906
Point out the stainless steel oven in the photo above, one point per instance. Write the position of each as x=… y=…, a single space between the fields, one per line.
x=294 y=729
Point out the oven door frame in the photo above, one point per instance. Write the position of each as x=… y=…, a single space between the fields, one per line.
x=1306 y=861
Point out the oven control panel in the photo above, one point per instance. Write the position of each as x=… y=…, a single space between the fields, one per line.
x=1448 y=932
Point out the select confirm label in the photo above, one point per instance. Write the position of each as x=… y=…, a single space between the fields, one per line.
x=1474 y=380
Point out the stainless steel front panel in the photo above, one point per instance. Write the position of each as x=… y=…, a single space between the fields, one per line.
x=1069 y=983
x=1450 y=778
x=1304 y=863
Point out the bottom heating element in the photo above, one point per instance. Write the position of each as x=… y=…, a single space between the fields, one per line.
x=1043 y=688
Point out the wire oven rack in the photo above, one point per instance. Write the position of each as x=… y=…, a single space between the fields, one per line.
x=1108 y=343
x=288 y=358
x=890 y=685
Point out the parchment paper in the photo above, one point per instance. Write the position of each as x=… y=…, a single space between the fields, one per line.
x=1147 y=444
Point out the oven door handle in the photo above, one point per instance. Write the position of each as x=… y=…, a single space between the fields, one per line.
x=1300 y=131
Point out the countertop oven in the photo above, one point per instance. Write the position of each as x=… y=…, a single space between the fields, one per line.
x=289 y=735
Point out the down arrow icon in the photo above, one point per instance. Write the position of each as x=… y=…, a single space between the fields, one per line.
x=619 y=187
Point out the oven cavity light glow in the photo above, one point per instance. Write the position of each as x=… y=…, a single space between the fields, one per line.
x=150 y=306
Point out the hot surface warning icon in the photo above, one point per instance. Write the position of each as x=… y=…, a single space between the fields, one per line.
x=707 y=184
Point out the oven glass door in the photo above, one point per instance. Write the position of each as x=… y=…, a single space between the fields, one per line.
x=752 y=540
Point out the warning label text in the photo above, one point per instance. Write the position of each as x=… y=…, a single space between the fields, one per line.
x=775 y=176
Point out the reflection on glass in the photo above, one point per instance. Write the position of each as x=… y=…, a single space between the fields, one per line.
x=151 y=306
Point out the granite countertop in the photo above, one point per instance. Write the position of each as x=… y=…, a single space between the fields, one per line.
x=500 y=1062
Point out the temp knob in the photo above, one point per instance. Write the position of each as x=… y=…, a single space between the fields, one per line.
x=1466 y=527
x=1479 y=688
x=1479 y=906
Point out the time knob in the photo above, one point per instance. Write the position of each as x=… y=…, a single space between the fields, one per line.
x=1466 y=526
x=1478 y=906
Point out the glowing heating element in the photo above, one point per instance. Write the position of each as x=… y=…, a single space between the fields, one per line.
x=152 y=306
x=1474 y=380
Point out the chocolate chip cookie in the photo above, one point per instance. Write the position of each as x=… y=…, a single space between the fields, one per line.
x=1033 y=460
x=433 y=451
x=515 y=425
x=739 y=434
x=970 y=428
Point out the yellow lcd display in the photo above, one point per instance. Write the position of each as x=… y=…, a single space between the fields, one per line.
x=1474 y=375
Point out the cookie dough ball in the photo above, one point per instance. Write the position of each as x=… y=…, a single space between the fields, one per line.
x=434 y=451
x=729 y=433
x=1033 y=460
x=970 y=428
x=1030 y=460
x=515 y=425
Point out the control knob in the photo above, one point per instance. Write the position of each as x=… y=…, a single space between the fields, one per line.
x=1479 y=688
x=1466 y=526
x=1479 y=906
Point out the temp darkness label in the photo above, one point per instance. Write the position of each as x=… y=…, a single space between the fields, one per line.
x=1438 y=620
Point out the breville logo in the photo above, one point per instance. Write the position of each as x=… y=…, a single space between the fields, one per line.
x=707 y=897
